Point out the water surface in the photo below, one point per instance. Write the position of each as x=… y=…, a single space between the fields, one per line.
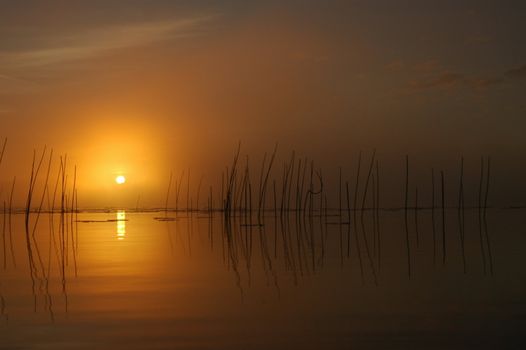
x=124 y=280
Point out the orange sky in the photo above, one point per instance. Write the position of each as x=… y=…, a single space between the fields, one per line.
x=147 y=88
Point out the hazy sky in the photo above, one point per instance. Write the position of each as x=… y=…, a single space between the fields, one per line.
x=145 y=87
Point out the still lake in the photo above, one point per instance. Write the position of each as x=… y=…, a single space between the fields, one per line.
x=127 y=280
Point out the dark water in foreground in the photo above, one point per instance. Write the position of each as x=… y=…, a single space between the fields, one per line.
x=194 y=284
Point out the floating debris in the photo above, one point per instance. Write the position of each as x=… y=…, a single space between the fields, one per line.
x=108 y=220
x=163 y=218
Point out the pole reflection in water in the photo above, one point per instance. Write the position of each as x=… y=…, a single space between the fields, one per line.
x=289 y=275
x=121 y=224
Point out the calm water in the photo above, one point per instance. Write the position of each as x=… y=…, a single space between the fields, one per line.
x=138 y=283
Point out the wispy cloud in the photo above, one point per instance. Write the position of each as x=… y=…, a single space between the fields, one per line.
x=427 y=66
x=480 y=39
x=12 y=79
x=11 y=84
x=79 y=46
x=517 y=73
x=394 y=66
x=443 y=80
x=482 y=83
x=431 y=74
x=449 y=80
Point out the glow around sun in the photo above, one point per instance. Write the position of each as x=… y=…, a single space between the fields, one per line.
x=120 y=179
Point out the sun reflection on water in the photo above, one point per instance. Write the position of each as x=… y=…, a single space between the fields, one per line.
x=121 y=224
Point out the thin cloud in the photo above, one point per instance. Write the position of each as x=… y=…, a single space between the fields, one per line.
x=517 y=73
x=450 y=80
x=100 y=41
x=481 y=39
x=11 y=84
x=13 y=79
x=482 y=83
x=427 y=66
x=394 y=66
x=444 y=80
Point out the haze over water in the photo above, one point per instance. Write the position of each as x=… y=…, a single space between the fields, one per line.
x=262 y=174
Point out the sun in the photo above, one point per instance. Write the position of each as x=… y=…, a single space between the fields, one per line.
x=120 y=179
